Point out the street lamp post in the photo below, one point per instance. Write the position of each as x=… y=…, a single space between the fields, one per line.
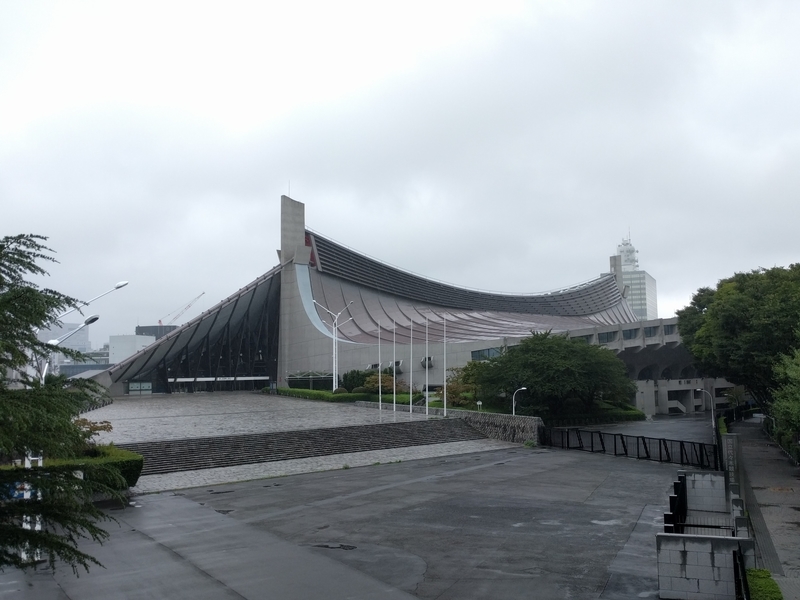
x=43 y=370
x=121 y=284
x=34 y=361
x=514 y=401
x=713 y=412
x=334 y=326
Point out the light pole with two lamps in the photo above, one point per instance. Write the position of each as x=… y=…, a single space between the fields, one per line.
x=334 y=327
x=43 y=369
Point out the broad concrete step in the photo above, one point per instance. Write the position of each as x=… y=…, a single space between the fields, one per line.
x=170 y=456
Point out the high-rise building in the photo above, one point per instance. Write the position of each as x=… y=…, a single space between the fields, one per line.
x=641 y=286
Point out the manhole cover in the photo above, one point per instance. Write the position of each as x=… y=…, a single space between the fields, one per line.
x=337 y=547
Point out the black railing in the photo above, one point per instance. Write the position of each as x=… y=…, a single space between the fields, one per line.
x=675 y=519
x=740 y=576
x=695 y=454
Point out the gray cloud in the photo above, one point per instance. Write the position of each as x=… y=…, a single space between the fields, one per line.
x=514 y=164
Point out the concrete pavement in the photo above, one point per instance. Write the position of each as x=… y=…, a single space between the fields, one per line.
x=511 y=523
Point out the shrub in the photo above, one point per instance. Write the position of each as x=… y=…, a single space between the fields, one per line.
x=387 y=384
x=129 y=464
x=354 y=379
x=762 y=586
x=360 y=390
x=340 y=390
x=306 y=394
x=324 y=395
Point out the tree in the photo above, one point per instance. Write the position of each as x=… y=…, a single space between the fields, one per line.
x=355 y=378
x=387 y=384
x=41 y=417
x=741 y=329
x=556 y=371
x=786 y=403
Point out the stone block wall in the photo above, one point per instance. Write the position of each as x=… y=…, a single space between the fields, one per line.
x=502 y=427
x=507 y=428
x=699 y=567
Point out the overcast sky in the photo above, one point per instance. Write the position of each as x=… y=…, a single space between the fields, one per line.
x=500 y=146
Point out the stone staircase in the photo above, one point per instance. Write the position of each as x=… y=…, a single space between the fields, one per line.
x=171 y=456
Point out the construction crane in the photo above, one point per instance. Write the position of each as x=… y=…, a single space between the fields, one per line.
x=183 y=310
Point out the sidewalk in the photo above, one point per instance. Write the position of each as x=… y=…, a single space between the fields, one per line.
x=773 y=501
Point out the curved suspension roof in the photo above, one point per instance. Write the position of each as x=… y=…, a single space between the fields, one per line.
x=377 y=296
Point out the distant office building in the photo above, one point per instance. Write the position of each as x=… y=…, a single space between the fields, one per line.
x=641 y=286
x=121 y=347
x=157 y=331
x=77 y=341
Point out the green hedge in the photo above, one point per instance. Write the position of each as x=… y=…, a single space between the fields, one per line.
x=610 y=416
x=322 y=395
x=331 y=397
x=129 y=464
x=762 y=585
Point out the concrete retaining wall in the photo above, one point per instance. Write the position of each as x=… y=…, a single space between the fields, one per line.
x=507 y=428
x=699 y=567
x=705 y=490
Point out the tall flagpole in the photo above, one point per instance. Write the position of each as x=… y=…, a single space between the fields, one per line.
x=411 y=372
x=444 y=393
x=394 y=365
x=380 y=375
x=427 y=365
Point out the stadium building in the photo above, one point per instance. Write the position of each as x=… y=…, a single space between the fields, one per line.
x=326 y=309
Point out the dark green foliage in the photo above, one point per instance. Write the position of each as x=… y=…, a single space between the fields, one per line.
x=355 y=396
x=36 y=417
x=562 y=376
x=354 y=379
x=323 y=395
x=126 y=463
x=740 y=329
x=306 y=394
x=64 y=505
x=360 y=390
x=762 y=585
x=604 y=417
x=340 y=390
x=786 y=404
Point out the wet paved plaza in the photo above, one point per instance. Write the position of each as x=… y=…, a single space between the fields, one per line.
x=176 y=416
x=508 y=522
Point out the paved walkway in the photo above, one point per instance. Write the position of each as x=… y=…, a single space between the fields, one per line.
x=775 y=486
x=206 y=477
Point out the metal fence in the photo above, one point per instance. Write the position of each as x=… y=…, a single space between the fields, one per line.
x=694 y=454
x=740 y=576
